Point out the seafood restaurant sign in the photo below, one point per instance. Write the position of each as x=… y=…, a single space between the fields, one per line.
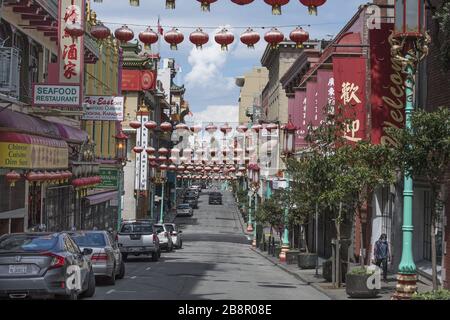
x=103 y=108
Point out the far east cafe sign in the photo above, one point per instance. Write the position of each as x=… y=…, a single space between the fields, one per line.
x=67 y=91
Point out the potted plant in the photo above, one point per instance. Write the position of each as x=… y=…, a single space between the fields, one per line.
x=356 y=283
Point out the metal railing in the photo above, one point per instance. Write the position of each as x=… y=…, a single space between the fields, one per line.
x=9 y=71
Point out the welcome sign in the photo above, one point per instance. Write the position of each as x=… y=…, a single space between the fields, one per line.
x=103 y=108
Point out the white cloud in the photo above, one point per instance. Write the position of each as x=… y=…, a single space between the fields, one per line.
x=216 y=113
x=207 y=66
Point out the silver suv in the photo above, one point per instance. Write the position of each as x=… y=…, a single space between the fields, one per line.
x=138 y=237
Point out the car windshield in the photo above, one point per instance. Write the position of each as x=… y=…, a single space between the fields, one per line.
x=137 y=228
x=91 y=239
x=170 y=228
x=29 y=243
x=183 y=206
x=159 y=229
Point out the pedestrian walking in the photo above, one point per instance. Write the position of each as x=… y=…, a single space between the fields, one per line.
x=382 y=254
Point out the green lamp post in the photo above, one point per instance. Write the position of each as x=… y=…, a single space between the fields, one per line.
x=409 y=44
x=288 y=150
x=255 y=187
x=121 y=156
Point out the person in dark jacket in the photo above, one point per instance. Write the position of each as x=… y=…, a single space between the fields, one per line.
x=382 y=254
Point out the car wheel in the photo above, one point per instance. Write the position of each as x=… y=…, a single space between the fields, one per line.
x=125 y=257
x=91 y=286
x=111 y=281
x=121 y=274
x=155 y=256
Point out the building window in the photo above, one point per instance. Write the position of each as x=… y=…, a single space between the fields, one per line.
x=12 y=198
x=427 y=231
x=58 y=208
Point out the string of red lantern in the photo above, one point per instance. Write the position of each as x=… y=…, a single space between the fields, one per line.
x=275 y=4
x=224 y=37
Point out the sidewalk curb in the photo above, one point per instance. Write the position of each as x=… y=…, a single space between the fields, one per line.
x=281 y=266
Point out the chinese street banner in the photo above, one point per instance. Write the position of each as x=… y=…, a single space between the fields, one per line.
x=71 y=49
x=299 y=117
x=350 y=90
x=387 y=80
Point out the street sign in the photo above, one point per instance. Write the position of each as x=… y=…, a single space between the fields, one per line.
x=110 y=178
x=279 y=184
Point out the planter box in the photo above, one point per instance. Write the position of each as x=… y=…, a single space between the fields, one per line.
x=291 y=256
x=327 y=270
x=356 y=286
x=306 y=260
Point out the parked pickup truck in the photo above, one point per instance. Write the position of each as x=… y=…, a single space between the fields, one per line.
x=137 y=237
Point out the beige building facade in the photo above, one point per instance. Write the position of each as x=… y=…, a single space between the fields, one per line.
x=252 y=85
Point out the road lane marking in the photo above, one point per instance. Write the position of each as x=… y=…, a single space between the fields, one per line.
x=148 y=269
x=133 y=277
x=110 y=291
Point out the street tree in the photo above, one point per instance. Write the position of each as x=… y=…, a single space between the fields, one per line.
x=424 y=152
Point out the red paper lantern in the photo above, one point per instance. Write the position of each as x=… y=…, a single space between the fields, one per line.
x=211 y=128
x=166 y=126
x=151 y=125
x=271 y=126
x=242 y=128
x=242 y=2
x=181 y=127
x=170 y=4
x=174 y=37
x=163 y=167
x=274 y=37
x=199 y=38
x=250 y=38
x=100 y=32
x=148 y=37
x=161 y=159
x=312 y=5
x=276 y=5
x=153 y=164
x=299 y=36
x=135 y=124
x=257 y=128
x=33 y=177
x=205 y=4
x=172 y=168
x=75 y=30
x=12 y=177
x=150 y=150
x=124 y=34
x=138 y=149
x=163 y=151
x=196 y=129
x=226 y=129
x=224 y=38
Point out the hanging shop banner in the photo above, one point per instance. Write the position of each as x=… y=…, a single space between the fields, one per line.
x=141 y=172
x=31 y=152
x=299 y=117
x=56 y=95
x=138 y=80
x=350 y=88
x=110 y=178
x=103 y=108
x=388 y=95
x=71 y=48
x=325 y=97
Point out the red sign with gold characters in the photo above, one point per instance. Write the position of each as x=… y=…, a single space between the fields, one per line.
x=350 y=93
x=388 y=95
x=138 y=80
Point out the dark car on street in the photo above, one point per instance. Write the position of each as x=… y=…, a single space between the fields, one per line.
x=44 y=265
x=191 y=200
x=215 y=198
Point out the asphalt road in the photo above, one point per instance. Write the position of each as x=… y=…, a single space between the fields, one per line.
x=215 y=263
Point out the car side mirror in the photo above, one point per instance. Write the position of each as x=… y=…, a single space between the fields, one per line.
x=87 y=251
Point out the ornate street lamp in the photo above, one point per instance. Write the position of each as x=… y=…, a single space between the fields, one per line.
x=409 y=45
x=288 y=150
x=121 y=146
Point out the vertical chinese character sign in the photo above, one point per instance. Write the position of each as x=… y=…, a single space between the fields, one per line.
x=71 y=48
x=141 y=178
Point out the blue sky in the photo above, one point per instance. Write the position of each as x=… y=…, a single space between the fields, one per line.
x=209 y=73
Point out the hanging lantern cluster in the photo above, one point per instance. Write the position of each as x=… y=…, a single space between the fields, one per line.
x=148 y=37
x=224 y=38
x=124 y=34
x=276 y=5
x=199 y=38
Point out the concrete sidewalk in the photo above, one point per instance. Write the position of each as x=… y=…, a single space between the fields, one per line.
x=319 y=283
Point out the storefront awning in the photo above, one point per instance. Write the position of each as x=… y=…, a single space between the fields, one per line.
x=102 y=197
x=21 y=122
